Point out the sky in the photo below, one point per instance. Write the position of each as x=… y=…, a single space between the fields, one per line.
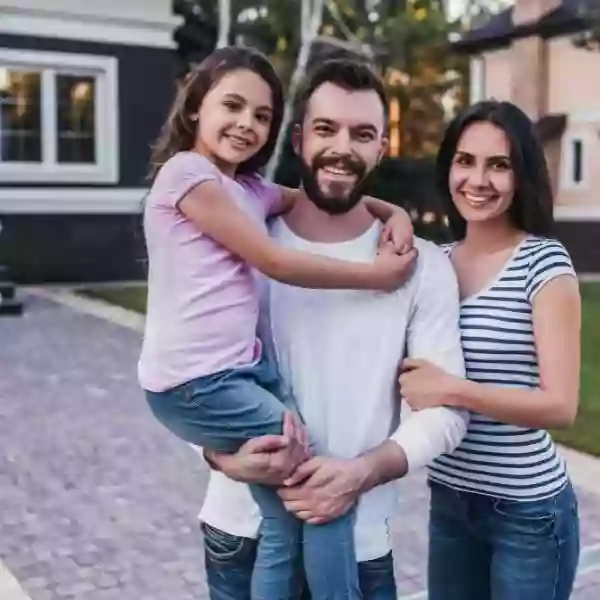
x=456 y=6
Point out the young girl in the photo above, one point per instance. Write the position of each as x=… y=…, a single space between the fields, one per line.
x=201 y=364
x=503 y=522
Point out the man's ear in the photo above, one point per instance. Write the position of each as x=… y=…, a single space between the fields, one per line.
x=297 y=138
x=385 y=144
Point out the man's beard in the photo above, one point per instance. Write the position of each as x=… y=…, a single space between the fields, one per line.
x=334 y=204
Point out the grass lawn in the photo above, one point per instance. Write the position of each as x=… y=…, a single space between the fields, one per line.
x=131 y=297
x=584 y=435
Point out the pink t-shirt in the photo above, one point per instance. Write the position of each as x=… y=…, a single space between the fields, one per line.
x=202 y=299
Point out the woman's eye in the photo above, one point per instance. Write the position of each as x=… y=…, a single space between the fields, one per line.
x=232 y=105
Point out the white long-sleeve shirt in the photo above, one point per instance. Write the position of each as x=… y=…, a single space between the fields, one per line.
x=339 y=352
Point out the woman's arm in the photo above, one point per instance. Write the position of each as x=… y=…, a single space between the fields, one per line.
x=553 y=405
x=557 y=329
x=217 y=215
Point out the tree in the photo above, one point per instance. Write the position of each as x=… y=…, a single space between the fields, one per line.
x=311 y=18
x=224 y=23
x=196 y=37
x=407 y=40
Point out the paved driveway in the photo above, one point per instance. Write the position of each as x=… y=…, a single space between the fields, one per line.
x=98 y=502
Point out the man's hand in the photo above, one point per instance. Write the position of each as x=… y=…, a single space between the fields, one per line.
x=269 y=459
x=322 y=489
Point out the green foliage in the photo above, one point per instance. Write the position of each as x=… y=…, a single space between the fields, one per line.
x=408 y=41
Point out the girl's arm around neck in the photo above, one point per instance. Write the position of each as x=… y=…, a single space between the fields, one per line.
x=398 y=228
x=211 y=209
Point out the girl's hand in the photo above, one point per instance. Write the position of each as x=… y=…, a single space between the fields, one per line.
x=394 y=269
x=397 y=231
x=424 y=385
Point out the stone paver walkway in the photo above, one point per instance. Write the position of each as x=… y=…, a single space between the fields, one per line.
x=98 y=502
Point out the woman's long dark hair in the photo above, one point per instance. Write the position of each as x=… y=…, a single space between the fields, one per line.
x=532 y=206
x=179 y=131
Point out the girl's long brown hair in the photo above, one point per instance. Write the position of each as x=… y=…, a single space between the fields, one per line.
x=179 y=131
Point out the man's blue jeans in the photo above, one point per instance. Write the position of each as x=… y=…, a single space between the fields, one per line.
x=229 y=561
x=486 y=548
x=221 y=412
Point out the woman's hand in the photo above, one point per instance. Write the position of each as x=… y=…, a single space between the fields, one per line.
x=424 y=385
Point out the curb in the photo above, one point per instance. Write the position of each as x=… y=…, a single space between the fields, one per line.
x=9 y=586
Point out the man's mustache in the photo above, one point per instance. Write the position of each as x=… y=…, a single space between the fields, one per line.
x=347 y=163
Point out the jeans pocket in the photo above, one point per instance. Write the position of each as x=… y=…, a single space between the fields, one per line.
x=537 y=517
x=222 y=547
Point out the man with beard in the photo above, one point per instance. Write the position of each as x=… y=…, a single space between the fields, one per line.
x=339 y=353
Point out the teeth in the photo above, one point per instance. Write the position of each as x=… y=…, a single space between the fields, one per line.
x=336 y=171
x=473 y=199
x=238 y=140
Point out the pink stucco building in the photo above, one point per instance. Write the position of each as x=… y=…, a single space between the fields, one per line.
x=531 y=54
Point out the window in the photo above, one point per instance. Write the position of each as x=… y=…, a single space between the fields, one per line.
x=58 y=117
x=574 y=162
x=577 y=162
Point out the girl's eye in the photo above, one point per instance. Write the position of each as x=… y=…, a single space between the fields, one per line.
x=323 y=130
x=263 y=118
x=462 y=160
x=501 y=165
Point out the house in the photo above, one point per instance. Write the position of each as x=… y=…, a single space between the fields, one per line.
x=532 y=55
x=84 y=89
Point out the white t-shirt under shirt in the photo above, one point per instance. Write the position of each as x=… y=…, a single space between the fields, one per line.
x=339 y=352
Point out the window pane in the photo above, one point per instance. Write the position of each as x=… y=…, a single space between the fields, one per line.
x=75 y=105
x=20 y=116
x=577 y=161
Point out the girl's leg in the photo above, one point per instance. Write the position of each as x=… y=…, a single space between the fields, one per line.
x=536 y=548
x=328 y=550
x=330 y=560
x=459 y=561
x=221 y=412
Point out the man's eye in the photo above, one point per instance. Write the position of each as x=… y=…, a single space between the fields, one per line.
x=366 y=137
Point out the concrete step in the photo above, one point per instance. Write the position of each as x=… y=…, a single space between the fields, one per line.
x=7 y=290
x=9 y=304
x=11 y=307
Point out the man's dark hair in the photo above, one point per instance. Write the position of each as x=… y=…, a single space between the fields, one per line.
x=531 y=209
x=349 y=74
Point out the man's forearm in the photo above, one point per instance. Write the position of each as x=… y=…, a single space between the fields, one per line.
x=428 y=433
x=384 y=463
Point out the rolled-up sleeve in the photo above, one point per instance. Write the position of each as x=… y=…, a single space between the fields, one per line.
x=434 y=335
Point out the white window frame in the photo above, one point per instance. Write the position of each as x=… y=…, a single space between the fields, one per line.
x=568 y=180
x=104 y=69
x=477 y=79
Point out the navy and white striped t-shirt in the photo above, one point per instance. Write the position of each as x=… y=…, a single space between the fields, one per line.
x=494 y=458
